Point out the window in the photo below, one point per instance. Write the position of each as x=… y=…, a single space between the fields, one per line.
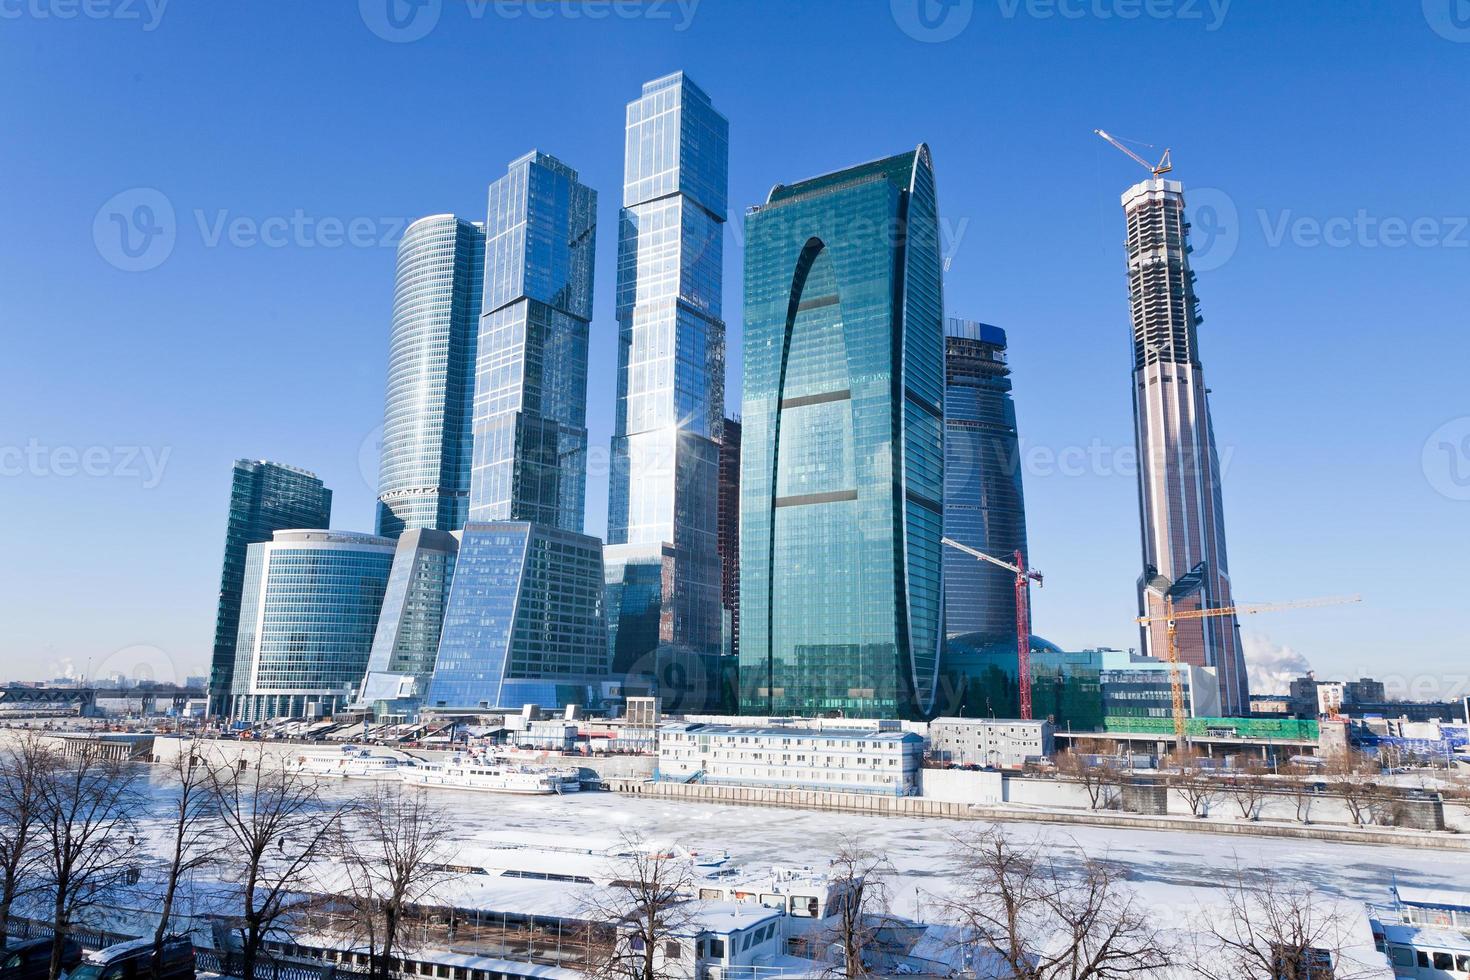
x=1444 y=961
x=1462 y=963
x=1401 y=955
x=717 y=949
x=672 y=950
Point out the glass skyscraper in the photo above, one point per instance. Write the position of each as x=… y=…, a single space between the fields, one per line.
x=424 y=475
x=983 y=502
x=1179 y=495
x=407 y=638
x=524 y=621
x=265 y=497
x=671 y=370
x=308 y=613
x=530 y=428
x=843 y=449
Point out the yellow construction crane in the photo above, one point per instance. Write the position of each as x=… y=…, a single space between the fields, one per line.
x=1159 y=169
x=1171 y=616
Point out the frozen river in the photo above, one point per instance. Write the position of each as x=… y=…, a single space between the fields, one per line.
x=1172 y=870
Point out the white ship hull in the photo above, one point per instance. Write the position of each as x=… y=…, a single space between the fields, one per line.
x=494 y=778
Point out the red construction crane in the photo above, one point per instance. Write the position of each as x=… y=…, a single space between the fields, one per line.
x=1024 y=577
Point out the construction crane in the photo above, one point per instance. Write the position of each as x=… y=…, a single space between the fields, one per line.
x=1159 y=169
x=1024 y=576
x=1171 y=616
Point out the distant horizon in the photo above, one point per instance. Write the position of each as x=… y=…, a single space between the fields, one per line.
x=261 y=330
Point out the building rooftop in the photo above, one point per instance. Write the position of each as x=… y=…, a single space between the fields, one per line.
x=845 y=734
x=895 y=169
x=1440 y=898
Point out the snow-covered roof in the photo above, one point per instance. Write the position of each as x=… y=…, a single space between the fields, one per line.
x=1440 y=898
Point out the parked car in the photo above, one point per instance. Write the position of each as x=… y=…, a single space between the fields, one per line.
x=31 y=959
x=134 y=961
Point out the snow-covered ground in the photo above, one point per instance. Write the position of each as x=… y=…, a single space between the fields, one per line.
x=1175 y=872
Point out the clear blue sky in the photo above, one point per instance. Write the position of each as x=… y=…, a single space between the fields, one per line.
x=1336 y=346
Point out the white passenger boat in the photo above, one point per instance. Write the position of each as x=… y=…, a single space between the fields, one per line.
x=351 y=762
x=494 y=775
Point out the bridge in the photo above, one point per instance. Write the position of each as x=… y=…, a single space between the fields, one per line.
x=15 y=698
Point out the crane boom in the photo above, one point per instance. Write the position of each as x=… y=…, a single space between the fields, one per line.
x=1171 y=616
x=1024 y=576
x=1157 y=169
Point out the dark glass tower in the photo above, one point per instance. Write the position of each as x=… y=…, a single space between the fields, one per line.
x=842 y=473
x=983 y=503
x=1179 y=494
x=265 y=497
x=424 y=474
x=730 y=534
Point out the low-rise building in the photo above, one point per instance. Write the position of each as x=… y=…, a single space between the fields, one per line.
x=999 y=743
x=1135 y=686
x=839 y=760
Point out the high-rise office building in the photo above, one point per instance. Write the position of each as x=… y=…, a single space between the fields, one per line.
x=663 y=488
x=530 y=427
x=524 y=621
x=308 y=613
x=983 y=503
x=265 y=497
x=1179 y=494
x=407 y=639
x=729 y=536
x=424 y=474
x=842 y=472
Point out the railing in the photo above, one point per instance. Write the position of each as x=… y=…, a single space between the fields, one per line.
x=228 y=964
x=89 y=939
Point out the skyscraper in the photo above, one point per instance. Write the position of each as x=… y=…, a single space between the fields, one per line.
x=524 y=622
x=983 y=502
x=424 y=474
x=530 y=426
x=842 y=473
x=671 y=369
x=729 y=536
x=309 y=609
x=265 y=497
x=1179 y=495
x=406 y=641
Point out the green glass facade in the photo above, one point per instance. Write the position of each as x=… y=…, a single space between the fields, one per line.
x=842 y=446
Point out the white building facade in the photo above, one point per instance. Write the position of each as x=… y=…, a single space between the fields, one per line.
x=836 y=760
x=997 y=743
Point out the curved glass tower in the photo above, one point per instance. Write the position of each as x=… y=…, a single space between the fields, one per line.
x=424 y=476
x=842 y=450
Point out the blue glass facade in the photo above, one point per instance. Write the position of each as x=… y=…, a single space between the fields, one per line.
x=407 y=639
x=663 y=486
x=842 y=449
x=309 y=611
x=265 y=497
x=424 y=474
x=983 y=502
x=524 y=623
x=530 y=428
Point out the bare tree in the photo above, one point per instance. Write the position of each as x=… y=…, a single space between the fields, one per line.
x=1195 y=784
x=1301 y=787
x=645 y=914
x=1353 y=778
x=277 y=825
x=192 y=831
x=1268 y=930
x=24 y=766
x=1098 y=779
x=88 y=834
x=393 y=860
x=860 y=877
x=1248 y=790
x=1035 y=920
